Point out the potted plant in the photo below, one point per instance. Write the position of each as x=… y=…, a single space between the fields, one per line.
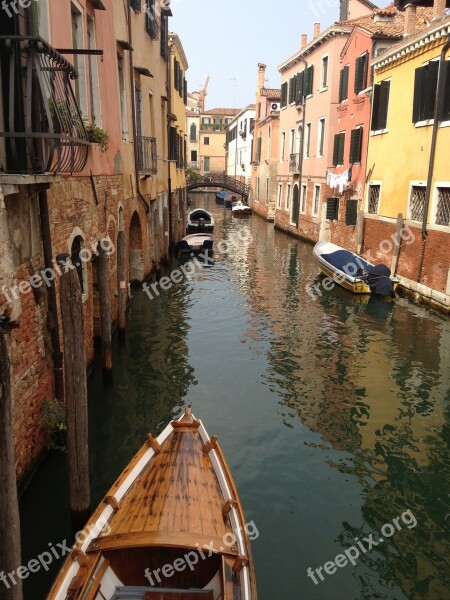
x=97 y=135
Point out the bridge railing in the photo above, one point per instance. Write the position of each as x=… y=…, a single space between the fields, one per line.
x=222 y=180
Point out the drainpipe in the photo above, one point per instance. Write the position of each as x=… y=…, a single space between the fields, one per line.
x=437 y=110
x=169 y=114
x=52 y=302
x=300 y=160
x=133 y=115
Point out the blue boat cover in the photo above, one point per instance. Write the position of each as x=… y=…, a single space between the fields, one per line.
x=379 y=281
x=346 y=261
x=221 y=194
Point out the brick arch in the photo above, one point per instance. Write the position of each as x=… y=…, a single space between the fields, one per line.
x=136 y=254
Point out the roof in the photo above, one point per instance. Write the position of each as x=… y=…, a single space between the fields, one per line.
x=437 y=30
x=228 y=112
x=176 y=40
x=271 y=93
x=402 y=4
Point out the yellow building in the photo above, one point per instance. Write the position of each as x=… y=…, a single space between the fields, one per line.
x=178 y=66
x=401 y=161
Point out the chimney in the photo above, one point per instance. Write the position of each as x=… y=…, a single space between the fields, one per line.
x=317 y=28
x=439 y=9
x=304 y=41
x=261 y=76
x=410 y=20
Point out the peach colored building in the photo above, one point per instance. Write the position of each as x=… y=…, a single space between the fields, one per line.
x=265 y=148
x=213 y=139
x=308 y=124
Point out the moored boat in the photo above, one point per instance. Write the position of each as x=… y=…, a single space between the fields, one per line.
x=171 y=527
x=196 y=242
x=240 y=209
x=199 y=220
x=220 y=197
x=353 y=272
x=230 y=199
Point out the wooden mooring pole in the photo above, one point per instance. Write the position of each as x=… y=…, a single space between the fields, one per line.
x=75 y=380
x=10 y=551
x=105 y=312
x=122 y=282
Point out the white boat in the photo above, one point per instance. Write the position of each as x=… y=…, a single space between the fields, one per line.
x=171 y=527
x=196 y=242
x=199 y=220
x=353 y=272
x=240 y=209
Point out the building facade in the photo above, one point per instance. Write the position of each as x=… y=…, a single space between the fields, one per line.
x=239 y=137
x=265 y=157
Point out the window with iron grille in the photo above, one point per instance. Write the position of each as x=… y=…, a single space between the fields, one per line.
x=151 y=20
x=374 y=199
x=443 y=206
x=417 y=202
x=351 y=212
x=316 y=199
x=332 y=209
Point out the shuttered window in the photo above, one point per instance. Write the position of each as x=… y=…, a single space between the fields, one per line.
x=338 y=150
x=361 y=70
x=292 y=89
x=425 y=88
x=309 y=81
x=332 y=209
x=351 y=212
x=283 y=94
x=356 y=145
x=380 y=105
x=343 y=84
x=300 y=81
x=444 y=112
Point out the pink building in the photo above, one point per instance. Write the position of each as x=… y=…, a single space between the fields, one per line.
x=309 y=122
x=265 y=148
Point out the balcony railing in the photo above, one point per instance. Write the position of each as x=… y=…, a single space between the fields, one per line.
x=294 y=163
x=41 y=129
x=147 y=156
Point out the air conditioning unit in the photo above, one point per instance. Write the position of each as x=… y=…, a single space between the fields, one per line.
x=275 y=106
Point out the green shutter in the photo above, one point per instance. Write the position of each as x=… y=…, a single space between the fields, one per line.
x=332 y=209
x=444 y=103
x=384 y=104
x=430 y=89
x=355 y=145
x=341 y=148
x=376 y=107
x=300 y=80
x=351 y=212
x=283 y=94
x=336 y=149
x=418 y=87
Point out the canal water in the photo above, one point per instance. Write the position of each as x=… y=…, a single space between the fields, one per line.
x=332 y=410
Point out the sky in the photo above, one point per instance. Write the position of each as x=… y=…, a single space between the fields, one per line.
x=227 y=39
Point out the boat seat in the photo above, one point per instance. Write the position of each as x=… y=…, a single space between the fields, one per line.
x=207 y=244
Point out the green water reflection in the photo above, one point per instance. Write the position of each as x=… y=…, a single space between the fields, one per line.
x=333 y=413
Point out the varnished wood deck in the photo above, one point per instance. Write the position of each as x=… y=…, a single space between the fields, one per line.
x=177 y=498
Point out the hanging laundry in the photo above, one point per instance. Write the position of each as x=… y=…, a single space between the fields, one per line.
x=338 y=181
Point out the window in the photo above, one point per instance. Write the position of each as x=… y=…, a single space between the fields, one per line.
x=291 y=141
x=206 y=141
x=361 y=70
x=79 y=60
x=194 y=155
x=288 y=196
x=316 y=200
x=324 y=72
x=217 y=121
x=373 y=202
x=343 y=84
x=283 y=145
x=269 y=142
x=308 y=140
x=94 y=87
x=299 y=87
x=284 y=94
x=151 y=22
x=356 y=145
x=258 y=150
x=164 y=37
x=122 y=97
x=304 y=192
x=292 y=89
x=380 y=105
x=77 y=259
x=416 y=202
x=332 y=209
x=443 y=206
x=308 y=81
x=257 y=189
x=267 y=190
x=425 y=88
x=280 y=195
x=193 y=133
x=338 y=150
x=321 y=137
x=351 y=212
x=207 y=163
x=295 y=204
x=206 y=120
